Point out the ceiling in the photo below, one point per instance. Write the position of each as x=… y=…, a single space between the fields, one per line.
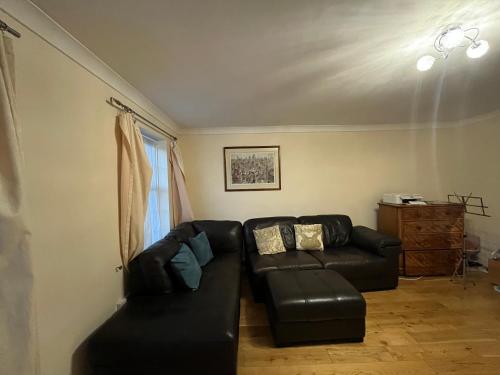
x=234 y=63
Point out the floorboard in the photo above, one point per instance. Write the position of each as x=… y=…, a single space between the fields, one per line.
x=426 y=326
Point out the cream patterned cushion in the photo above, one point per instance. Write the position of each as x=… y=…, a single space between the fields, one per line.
x=269 y=240
x=308 y=237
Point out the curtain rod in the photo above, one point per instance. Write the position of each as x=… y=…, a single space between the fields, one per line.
x=5 y=27
x=117 y=104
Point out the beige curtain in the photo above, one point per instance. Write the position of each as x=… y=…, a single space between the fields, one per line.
x=181 y=206
x=17 y=320
x=135 y=183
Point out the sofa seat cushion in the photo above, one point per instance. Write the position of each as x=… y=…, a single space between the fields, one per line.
x=352 y=262
x=171 y=331
x=293 y=259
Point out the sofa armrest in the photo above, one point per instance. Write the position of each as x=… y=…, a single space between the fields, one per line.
x=374 y=241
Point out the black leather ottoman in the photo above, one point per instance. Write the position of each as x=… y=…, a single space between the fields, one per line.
x=314 y=305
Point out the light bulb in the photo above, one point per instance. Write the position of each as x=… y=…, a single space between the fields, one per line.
x=478 y=49
x=452 y=38
x=425 y=62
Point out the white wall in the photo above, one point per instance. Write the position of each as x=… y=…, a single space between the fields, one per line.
x=71 y=161
x=347 y=172
x=465 y=160
x=335 y=172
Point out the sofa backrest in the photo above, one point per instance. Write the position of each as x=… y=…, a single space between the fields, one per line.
x=286 y=228
x=225 y=236
x=336 y=228
x=149 y=273
x=183 y=232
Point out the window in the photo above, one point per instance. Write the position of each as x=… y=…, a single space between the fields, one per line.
x=157 y=223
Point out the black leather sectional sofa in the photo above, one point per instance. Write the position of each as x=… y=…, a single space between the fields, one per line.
x=368 y=259
x=163 y=329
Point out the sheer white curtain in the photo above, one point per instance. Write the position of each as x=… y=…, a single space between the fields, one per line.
x=17 y=322
x=157 y=223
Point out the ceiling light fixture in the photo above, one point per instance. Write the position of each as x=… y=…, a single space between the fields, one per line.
x=425 y=63
x=450 y=38
x=478 y=50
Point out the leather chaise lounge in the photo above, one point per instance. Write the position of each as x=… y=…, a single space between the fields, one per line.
x=161 y=330
x=366 y=258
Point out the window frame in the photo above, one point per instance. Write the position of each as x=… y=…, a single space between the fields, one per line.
x=159 y=140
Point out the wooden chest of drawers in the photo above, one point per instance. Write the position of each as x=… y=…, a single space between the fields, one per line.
x=431 y=236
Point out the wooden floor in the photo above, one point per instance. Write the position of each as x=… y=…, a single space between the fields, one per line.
x=429 y=326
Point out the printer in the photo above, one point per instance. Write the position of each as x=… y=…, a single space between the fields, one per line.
x=401 y=198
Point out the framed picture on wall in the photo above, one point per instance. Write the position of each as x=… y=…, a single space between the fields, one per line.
x=252 y=168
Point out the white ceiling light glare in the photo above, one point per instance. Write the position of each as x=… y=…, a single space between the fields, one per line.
x=425 y=63
x=452 y=37
x=478 y=49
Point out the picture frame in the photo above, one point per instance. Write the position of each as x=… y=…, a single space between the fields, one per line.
x=252 y=168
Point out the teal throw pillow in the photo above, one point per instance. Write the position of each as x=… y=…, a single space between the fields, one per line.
x=201 y=248
x=186 y=267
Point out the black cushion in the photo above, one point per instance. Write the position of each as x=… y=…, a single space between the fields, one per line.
x=283 y=261
x=224 y=236
x=336 y=228
x=178 y=333
x=182 y=232
x=352 y=262
x=370 y=239
x=313 y=295
x=286 y=228
x=149 y=273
